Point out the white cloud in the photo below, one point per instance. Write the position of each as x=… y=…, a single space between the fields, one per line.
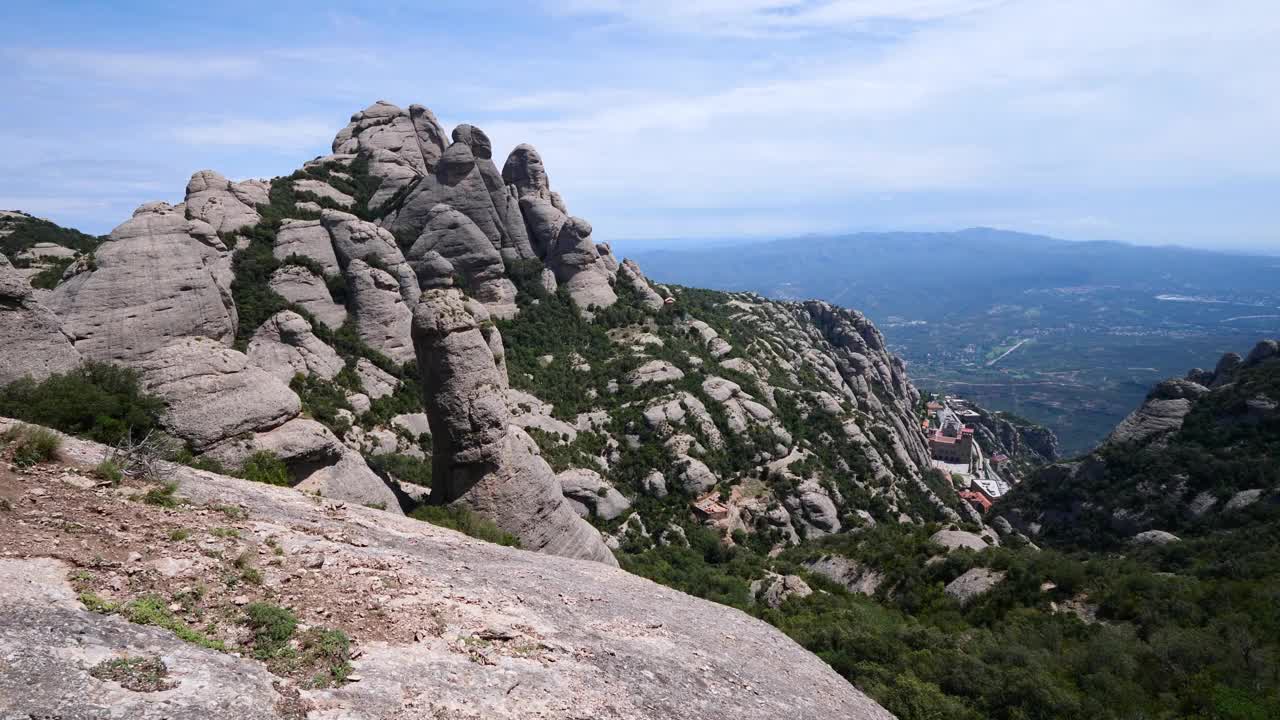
x=762 y=17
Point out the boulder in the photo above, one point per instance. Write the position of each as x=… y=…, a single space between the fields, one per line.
x=376 y=382
x=695 y=477
x=973 y=583
x=302 y=287
x=773 y=589
x=213 y=393
x=351 y=480
x=1243 y=499
x=286 y=346
x=382 y=317
x=655 y=484
x=591 y=494
x=158 y=278
x=576 y=262
x=324 y=191
x=654 y=372
x=1155 y=537
x=1161 y=413
x=479 y=460
x=812 y=505
x=355 y=239
x=629 y=271
x=224 y=205
x=854 y=576
x=955 y=539
x=451 y=235
x=43 y=349
x=415 y=136
x=308 y=239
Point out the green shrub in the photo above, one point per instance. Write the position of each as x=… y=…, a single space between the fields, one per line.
x=403 y=468
x=162 y=496
x=32 y=445
x=99 y=401
x=109 y=471
x=328 y=652
x=464 y=522
x=264 y=467
x=48 y=278
x=272 y=627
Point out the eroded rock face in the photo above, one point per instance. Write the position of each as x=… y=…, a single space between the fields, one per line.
x=452 y=236
x=955 y=539
x=591 y=494
x=774 y=589
x=577 y=265
x=480 y=461
x=973 y=584
x=286 y=346
x=414 y=136
x=308 y=239
x=213 y=393
x=225 y=205
x=304 y=288
x=1162 y=413
x=356 y=239
x=383 y=319
x=159 y=277
x=26 y=324
x=630 y=272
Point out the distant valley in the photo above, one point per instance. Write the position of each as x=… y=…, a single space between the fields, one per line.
x=1068 y=334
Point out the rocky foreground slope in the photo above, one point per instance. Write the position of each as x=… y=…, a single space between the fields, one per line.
x=442 y=625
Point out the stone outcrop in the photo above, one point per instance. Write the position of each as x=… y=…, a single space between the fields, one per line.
x=308 y=239
x=479 y=461
x=854 y=576
x=286 y=346
x=630 y=272
x=213 y=393
x=158 y=278
x=773 y=589
x=467 y=616
x=451 y=236
x=1161 y=413
x=356 y=239
x=225 y=205
x=576 y=262
x=973 y=583
x=376 y=382
x=299 y=285
x=415 y=136
x=26 y=324
x=382 y=317
x=591 y=494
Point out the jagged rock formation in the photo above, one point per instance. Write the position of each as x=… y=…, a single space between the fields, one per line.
x=1125 y=491
x=974 y=583
x=451 y=243
x=157 y=278
x=285 y=346
x=224 y=205
x=28 y=325
x=479 y=460
x=302 y=287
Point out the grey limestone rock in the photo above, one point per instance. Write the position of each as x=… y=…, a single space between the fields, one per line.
x=382 y=318
x=577 y=265
x=1155 y=537
x=451 y=235
x=43 y=349
x=1161 y=413
x=591 y=494
x=514 y=238
x=285 y=346
x=299 y=285
x=225 y=205
x=308 y=239
x=356 y=239
x=955 y=539
x=973 y=583
x=655 y=372
x=630 y=272
x=376 y=382
x=479 y=460
x=213 y=393
x=414 y=136
x=854 y=576
x=773 y=589
x=325 y=191
x=159 y=277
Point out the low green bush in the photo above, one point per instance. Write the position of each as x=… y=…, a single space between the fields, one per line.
x=264 y=467
x=98 y=401
x=32 y=445
x=464 y=522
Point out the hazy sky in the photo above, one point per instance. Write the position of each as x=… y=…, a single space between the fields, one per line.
x=1143 y=120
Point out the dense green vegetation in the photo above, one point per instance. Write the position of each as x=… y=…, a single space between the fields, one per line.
x=99 y=401
x=462 y=520
x=25 y=231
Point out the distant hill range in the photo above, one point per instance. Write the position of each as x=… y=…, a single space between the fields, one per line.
x=1091 y=325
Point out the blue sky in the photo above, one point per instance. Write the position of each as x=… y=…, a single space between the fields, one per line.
x=1151 y=121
